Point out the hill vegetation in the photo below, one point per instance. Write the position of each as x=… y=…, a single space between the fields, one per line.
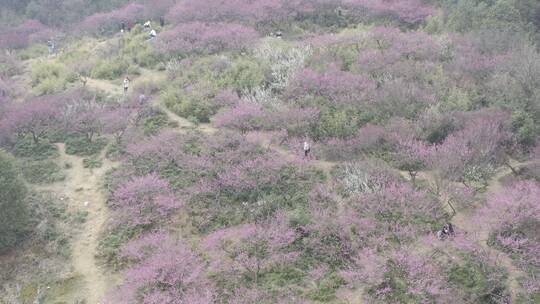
x=270 y=151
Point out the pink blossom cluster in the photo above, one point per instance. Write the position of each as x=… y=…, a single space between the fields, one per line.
x=163 y=270
x=143 y=201
x=21 y=36
x=205 y=38
x=252 y=249
x=408 y=11
x=334 y=85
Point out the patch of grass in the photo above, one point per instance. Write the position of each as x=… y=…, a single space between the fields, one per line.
x=33 y=51
x=475 y=284
x=114 y=151
x=153 y=124
x=325 y=290
x=92 y=163
x=48 y=78
x=63 y=288
x=28 y=293
x=110 y=245
x=82 y=147
x=80 y=217
x=28 y=149
x=110 y=69
x=42 y=172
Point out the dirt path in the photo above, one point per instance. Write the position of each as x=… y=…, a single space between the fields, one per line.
x=82 y=189
x=465 y=221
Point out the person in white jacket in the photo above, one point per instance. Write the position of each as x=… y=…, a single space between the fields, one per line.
x=307 y=149
x=152 y=34
x=126 y=84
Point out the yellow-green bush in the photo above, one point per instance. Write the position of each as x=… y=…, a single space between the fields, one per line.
x=110 y=69
x=139 y=50
x=48 y=77
x=149 y=86
x=194 y=105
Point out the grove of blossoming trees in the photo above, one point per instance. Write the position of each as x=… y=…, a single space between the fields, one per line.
x=271 y=151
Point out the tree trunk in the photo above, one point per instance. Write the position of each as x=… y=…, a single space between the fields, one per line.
x=514 y=171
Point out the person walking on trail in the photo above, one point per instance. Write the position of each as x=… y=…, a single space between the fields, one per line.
x=162 y=21
x=307 y=149
x=122 y=27
x=126 y=84
x=129 y=26
x=50 y=46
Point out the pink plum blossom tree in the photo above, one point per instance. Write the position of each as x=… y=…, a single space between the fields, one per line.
x=36 y=117
x=203 y=38
x=143 y=201
x=163 y=270
x=252 y=249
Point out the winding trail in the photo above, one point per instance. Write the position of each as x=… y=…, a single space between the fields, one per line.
x=465 y=221
x=82 y=188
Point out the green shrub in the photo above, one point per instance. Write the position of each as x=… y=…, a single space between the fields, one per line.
x=48 y=78
x=110 y=69
x=474 y=281
x=245 y=75
x=187 y=105
x=139 y=50
x=153 y=124
x=326 y=288
x=525 y=129
x=81 y=146
x=14 y=215
x=114 y=150
x=133 y=70
x=111 y=244
x=34 y=51
x=42 y=172
x=92 y=163
x=28 y=149
x=49 y=86
x=149 y=86
x=340 y=123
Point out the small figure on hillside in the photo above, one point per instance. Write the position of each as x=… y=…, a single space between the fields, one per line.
x=152 y=34
x=446 y=231
x=147 y=24
x=450 y=229
x=162 y=21
x=126 y=84
x=284 y=136
x=129 y=26
x=122 y=27
x=50 y=46
x=142 y=99
x=307 y=149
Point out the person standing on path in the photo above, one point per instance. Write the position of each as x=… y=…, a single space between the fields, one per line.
x=126 y=85
x=307 y=149
x=50 y=46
